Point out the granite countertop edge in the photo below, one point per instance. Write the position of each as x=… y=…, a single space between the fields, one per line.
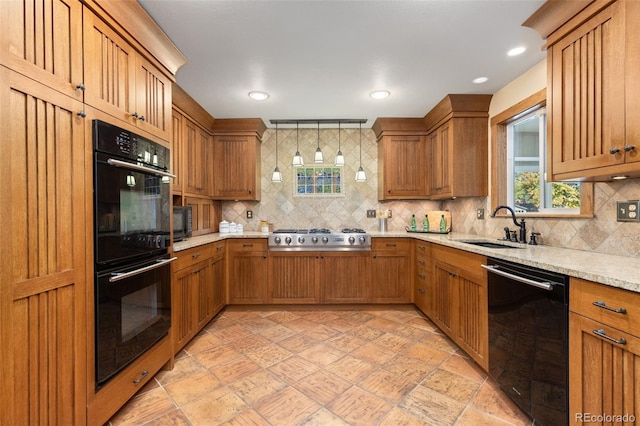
x=612 y=270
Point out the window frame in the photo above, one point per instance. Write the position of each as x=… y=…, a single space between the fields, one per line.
x=498 y=124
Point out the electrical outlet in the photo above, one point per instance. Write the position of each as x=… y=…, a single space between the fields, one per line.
x=371 y=213
x=249 y=214
x=628 y=211
x=480 y=213
x=389 y=215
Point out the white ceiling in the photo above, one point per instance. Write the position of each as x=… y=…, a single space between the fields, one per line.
x=321 y=59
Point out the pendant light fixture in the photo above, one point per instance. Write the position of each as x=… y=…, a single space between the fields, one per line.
x=360 y=174
x=319 y=158
x=339 y=156
x=297 y=159
x=276 y=176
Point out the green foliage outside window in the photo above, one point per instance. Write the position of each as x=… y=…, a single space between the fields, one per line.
x=527 y=192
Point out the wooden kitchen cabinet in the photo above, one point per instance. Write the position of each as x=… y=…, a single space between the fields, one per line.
x=391 y=270
x=247 y=271
x=592 y=91
x=236 y=153
x=197 y=151
x=123 y=83
x=604 y=350
x=293 y=277
x=423 y=288
x=345 y=277
x=205 y=215
x=457 y=146
x=43 y=41
x=460 y=300
x=402 y=158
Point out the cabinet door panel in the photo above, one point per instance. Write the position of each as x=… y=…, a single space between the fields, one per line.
x=43 y=40
x=153 y=99
x=177 y=153
x=391 y=282
x=248 y=272
x=444 y=306
x=185 y=296
x=587 y=87
x=403 y=167
x=473 y=329
x=293 y=278
x=236 y=176
x=345 y=278
x=43 y=293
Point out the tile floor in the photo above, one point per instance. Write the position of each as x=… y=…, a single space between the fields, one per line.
x=355 y=365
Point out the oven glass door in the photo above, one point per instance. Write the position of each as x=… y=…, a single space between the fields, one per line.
x=133 y=312
x=132 y=213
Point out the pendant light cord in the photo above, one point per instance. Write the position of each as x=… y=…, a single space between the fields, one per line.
x=276 y=144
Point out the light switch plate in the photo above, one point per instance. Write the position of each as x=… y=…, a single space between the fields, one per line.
x=628 y=211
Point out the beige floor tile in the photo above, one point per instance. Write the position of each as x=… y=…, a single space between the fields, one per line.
x=298 y=343
x=268 y=355
x=219 y=323
x=248 y=342
x=423 y=324
x=216 y=356
x=256 y=325
x=235 y=369
x=247 y=418
x=341 y=324
x=411 y=368
x=411 y=332
x=393 y=342
x=427 y=353
x=301 y=324
x=193 y=387
x=214 y=408
x=346 y=342
x=472 y=417
x=382 y=324
x=287 y=407
x=323 y=417
x=431 y=406
x=277 y=333
x=321 y=317
x=351 y=368
x=451 y=384
x=464 y=367
x=321 y=332
x=388 y=386
x=398 y=417
x=144 y=408
x=490 y=399
x=172 y=418
x=229 y=334
x=367 y=333
x=359 y=407
x=374 y=353
x=357 y=317
x=257 y=386
x=321 y=354
x=186 y=367
x=203 y=342
x=283 y=317
x=293 y=369
x=323 y=386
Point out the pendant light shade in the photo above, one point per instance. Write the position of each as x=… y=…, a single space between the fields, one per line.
x=276 y=176
x=339 y=156
x=361 y=176
x=319 y=158
x=297 y=158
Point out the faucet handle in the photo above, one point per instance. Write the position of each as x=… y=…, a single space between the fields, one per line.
x=514 y=236
x=533 y=240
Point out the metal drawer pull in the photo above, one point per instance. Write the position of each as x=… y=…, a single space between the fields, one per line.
x=142 y=376
x=117 y=276
x=601 y=304
x=600 y=332
x=247 y=245
x=195 y=255
x=547 y=285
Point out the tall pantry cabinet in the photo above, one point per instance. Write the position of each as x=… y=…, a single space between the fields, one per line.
x=46 y=278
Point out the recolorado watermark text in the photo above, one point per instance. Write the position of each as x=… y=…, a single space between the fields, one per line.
x=605 y=418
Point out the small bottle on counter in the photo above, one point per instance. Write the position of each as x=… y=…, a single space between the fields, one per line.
x=425 y=224
x=413 y=222
x=443 y=224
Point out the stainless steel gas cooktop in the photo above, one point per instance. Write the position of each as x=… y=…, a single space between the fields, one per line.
x=319 y=239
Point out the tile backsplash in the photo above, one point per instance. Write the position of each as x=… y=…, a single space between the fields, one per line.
x=280 y=206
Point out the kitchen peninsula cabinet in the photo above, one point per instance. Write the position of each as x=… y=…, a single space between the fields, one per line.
x=391 y=270
x=122 y=82
x=247 y=271
x=460 y=300
x=423 y=291
x=457 y=146
x=592 y=91
x=402 y=158
x=236 y=153
x=604 y=350
x=345 y=277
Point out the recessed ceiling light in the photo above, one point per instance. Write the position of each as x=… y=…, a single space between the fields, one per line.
x=258 y=96
x=480 y=80
x=379 y=94
x=516 y=51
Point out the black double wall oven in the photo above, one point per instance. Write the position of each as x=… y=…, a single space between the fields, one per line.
x=132 y=204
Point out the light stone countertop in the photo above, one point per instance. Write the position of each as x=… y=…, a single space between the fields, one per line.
x=616 y=271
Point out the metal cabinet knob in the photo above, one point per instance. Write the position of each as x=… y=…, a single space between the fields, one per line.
x=614 y=150
x=629 y=148
x=80 y=86
x=81 y=114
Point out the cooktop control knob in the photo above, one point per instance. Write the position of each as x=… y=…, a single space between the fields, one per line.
x=325 y=240
x=362 y=239
x=301 y=240
x=277 y=240
x=352 y=240
x=314 y=239
x=287 y=240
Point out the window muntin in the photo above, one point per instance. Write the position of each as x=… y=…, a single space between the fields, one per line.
x=318 y=181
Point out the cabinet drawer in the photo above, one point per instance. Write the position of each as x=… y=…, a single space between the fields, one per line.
x=193 y=255
x=247 y=245
x=422 y=248
x=423 y=263
x=391 y=244
x=609 y=305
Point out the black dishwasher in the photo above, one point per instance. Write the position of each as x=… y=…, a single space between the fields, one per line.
x=528 y=327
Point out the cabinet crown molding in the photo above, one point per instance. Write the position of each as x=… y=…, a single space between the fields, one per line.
x=398 y=125
x=239 y=125
x=553 y=14
x=454 y=105
x=183 y=101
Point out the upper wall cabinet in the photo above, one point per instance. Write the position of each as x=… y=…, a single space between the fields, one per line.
x=123 y=83
x=402 y=158
x=593 y=101
x=236 y=157
x=43 y=40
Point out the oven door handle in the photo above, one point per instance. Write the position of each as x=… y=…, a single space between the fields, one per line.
x=546 y=285
x=137 y=167
x=117 y=276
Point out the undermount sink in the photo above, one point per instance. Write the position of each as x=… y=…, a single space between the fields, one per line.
x=488 y=244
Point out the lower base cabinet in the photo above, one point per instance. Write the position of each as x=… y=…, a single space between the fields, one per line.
x=247 y=271
x=423 y=289
x=391 y=270
x=345 y=277
x=293 y=278
x=604 y=354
